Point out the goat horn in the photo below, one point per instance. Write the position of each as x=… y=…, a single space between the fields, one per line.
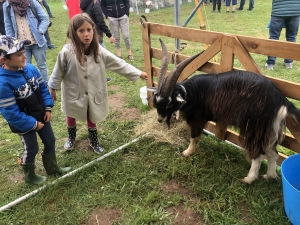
x=172 y=78
x=164 y=66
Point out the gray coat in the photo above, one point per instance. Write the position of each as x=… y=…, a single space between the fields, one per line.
x=83 y=88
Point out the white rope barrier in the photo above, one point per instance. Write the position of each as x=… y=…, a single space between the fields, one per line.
x=21 y=199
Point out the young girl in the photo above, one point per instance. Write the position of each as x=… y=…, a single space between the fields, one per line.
x=80 y=68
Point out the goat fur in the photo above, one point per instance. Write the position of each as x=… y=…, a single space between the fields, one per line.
x=250 y=102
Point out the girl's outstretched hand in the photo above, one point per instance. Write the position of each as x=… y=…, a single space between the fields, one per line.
x=144 y=76
x=53 y=93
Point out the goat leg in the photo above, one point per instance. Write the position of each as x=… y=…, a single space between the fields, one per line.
x=192 y=147
x=253 y=172
x=272 y=155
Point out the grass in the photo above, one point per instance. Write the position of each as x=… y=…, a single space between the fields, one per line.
x=147 y=182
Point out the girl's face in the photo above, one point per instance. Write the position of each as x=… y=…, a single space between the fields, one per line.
x=85 y=33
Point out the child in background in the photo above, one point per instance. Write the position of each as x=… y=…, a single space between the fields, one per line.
x=25 y=103
x=80 y=73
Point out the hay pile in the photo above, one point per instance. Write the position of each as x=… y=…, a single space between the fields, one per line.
x=178 y=133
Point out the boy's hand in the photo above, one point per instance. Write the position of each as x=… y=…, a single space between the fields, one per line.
x=47 y=116
x=53 y=93
x=39 y=126
x=144 y=76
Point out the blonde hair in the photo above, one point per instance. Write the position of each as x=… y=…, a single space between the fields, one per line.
x=78 y=46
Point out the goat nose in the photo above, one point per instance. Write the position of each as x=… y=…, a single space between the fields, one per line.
x=159 y=120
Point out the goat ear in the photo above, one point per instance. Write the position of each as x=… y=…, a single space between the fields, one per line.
x=152 y=89
x=180 y=99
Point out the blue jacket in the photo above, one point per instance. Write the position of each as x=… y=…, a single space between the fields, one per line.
x=16 y=93
x=38 y=25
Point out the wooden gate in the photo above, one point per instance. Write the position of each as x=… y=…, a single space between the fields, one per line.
x=229 y=46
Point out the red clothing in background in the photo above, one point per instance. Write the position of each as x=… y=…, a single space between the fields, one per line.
x=73 y=7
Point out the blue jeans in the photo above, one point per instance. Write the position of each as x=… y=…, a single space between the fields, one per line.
x=291 y=23
x=45 y=4
x=30 y=143
x=39 y=54
x=242 y=3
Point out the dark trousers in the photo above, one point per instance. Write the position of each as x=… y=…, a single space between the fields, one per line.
x=291 y=24
x=251 y=4
x=214 y=4
x=30 y=143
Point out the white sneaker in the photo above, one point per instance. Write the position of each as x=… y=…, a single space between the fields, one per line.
x=288 y=65
x=269 y=66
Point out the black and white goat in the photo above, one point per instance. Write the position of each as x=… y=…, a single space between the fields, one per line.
x=245 y=100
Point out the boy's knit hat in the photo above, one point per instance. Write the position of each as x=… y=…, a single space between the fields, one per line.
x=10 y=45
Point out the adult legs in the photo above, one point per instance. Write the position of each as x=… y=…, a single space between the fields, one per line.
x=45 y=4
x=214 y=4
x=39 y=54
x=124 y=26
x=242 y=3
x=292 y=25
x=274 y=31
x=47 y=36
x=219 y=5
x=114 y=27
x=251 y=4
x=49 y=44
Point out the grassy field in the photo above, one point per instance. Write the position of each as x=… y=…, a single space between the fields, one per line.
x=147 y=182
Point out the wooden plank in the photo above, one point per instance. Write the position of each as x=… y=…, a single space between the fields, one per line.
x=261 y=46
x=209 y=53
x=245 y=58
x=282 y=49
x=196 y=35
x=227 y=57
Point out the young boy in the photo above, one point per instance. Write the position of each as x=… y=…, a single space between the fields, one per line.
x=25 y=103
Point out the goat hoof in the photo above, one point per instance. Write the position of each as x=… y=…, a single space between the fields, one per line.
x=247 y=180
x=186 y=153
x=267 y=176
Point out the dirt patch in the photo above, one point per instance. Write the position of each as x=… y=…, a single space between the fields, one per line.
x=16 y=177
x=83 y=146
x=116 y=103
x=181 y=214
x=103 y=216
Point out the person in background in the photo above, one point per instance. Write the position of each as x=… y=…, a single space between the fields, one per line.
x=227 y=3
x=25 y=103
x=242 y=3
x=45 y=4
x=73 y=7
x=285 y=13
x=117 y=14
x=93 y=9
x=2 y=26
x=215 y=4
x=22 y=25
x=80 y=73
x=47 y=35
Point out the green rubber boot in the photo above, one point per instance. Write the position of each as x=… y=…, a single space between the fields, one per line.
x=30 y=176
x=51 y=167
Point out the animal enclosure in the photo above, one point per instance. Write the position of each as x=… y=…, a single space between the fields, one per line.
x=229 y=47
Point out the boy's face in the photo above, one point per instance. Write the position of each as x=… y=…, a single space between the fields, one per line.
x=17 y=60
